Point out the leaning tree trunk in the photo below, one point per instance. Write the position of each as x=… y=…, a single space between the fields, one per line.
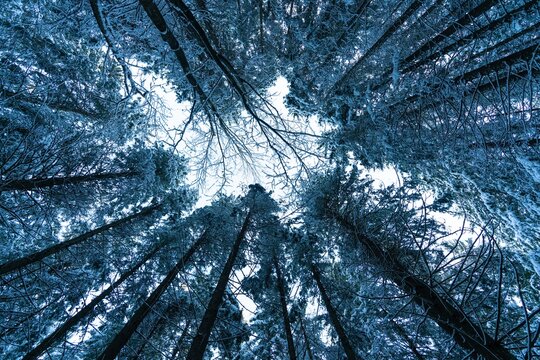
x=115 y=346
x=306 y=340
x=200 y=341
x=334 y=317
x=61 y=331
x=40 y=255
x=451 y=319
x=43 y=183
x=180 y=341
x=285 y=312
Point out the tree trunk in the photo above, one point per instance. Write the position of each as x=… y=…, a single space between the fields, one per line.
x=40 y=255
x=61 y=331
x=452 y=320
x=401 y=332
x=487 y=29
x=334 y=317
x=159 y=22
x=43 y=183
x=121 y=339
x=200 y=341
x=446 y=33
x=285 y=312
x=177 y=349
x=413 y=7
x=306 y=340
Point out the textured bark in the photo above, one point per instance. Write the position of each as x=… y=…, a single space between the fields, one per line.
x=334 y=317
x=43 y=183
x=62 y=330
x=115 y=346
x=200 y=341
x=40 y=255
x=443 y=311
x=284 y=311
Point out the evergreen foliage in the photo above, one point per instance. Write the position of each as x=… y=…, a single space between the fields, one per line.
x=103 y=254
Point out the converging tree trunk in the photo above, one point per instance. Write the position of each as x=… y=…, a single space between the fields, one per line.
x=334 y=316
x=40 y=255
x=62 y=330
x=115 y=346
x=284 y=311
x=443 y=311
x=43 y=183
x=200 y=341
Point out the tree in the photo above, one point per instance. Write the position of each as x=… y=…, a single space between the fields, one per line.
x=103 y=256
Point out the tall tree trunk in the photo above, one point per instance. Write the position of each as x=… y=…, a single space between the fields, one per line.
x=284 y=311
x=413 y=7
x=40 y=255
x=61 y=331
x=43 y=183
x=123 y=336
x=306 y=340
x=451 y=319
x=200 y=341
x=334 y=317
x=448 y=31
x=166 y=34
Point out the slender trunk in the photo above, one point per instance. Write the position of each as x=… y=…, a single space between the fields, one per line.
x=285 y=312
x=401 y=332
x=200 y=341
x=210 y=30
x=43 y=183
x=450 y=318
x=180 y=340
x=306 y=340
x=261 y=26
x=452 y=28
x=166 y=34
x=40 y=255
x=413 y=7
x=334 y=317
x=117 y=343
x=61 y=331
x=487 y=29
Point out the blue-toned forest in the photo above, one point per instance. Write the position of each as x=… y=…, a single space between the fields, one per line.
x=270 y=179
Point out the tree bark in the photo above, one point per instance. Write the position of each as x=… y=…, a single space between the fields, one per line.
x=115 y=346
x=285 y=312
x=61 y=331
x=43 y=183
x=200 y=341
x=443 y=311
x=40 y=255
x=334 y=317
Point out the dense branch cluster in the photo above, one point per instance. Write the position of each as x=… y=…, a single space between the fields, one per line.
x=103 y=254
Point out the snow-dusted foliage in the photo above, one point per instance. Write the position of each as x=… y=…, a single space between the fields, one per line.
x=108 y=107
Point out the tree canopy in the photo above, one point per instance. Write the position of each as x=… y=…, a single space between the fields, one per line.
x=116 y=117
